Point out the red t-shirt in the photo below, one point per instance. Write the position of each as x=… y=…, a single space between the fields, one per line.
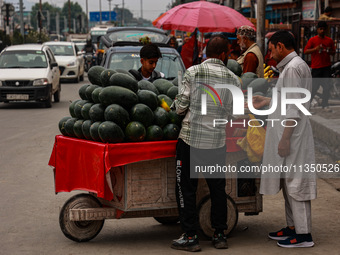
x=322 y=59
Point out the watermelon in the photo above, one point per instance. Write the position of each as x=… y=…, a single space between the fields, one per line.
x=146 y=85
x=175 y=118
x=123 y=71
x=154 y=133
x=94 y=131
x=89 y=91
x=61 y=124
x=96 y=112
x=234 y=67
x=94 y=75
x=175 y=82
x=85 y=111
x=142 y=113
x=162 y=85
x=69 y=126
x=161 y=117
x=110 y=132
x=86 y=129
x=105 y=77
x=125 y=81
x=77 y=129
x=135 y=132
x=118 y=95
x=148 y=98
x=259 y=85
x=117 y=114
x=78 y=107
x=172 y=92
x=71 y=108
x=82 y=91
x=171 y=132
x=95 y=95
x=247 y=78
x=167 y=99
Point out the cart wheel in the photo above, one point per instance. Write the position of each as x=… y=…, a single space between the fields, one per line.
x=80 y=231
x=170 y=220
x=204 y=216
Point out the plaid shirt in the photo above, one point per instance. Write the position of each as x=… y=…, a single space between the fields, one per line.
x=198 y=130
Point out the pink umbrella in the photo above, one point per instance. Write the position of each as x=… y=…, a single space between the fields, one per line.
x=206 y=16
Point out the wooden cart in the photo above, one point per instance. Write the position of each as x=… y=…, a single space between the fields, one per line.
x=147 y=189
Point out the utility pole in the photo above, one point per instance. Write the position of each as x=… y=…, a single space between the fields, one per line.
x=122 y=16
x=261 y=24
x=109 y=9
x=69 y=16
x=87 y=16
x=100 y=12
x=141 y=9
x=40 y=19
x=57 y=25
x=22 y=26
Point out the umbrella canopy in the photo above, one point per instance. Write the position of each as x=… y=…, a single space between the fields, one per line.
x=206 y=16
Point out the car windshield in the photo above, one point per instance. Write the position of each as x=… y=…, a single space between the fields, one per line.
x=134 y=35
x=23 y=59
x=169 y=64
x=62 y=50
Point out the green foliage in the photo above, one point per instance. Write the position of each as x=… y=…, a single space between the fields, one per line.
x=33 y=37
x=17 y=38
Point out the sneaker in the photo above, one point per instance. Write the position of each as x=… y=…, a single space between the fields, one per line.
x=220 y=241
x=297 y=240
x=186 y=243
x=282 y=234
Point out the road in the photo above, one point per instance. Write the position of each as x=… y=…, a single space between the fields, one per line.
x=29 y=208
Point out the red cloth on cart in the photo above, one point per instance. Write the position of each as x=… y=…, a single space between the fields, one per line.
x=82 y=164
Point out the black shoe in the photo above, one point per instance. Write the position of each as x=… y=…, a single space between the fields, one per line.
x=282 y=234
x=186 y=243
x=297 y=240
x=220 y=241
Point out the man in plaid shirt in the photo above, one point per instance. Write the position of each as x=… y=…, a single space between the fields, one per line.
x=201 y=143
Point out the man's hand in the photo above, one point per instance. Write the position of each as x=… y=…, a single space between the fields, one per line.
x=284 y=147
x=260 y=101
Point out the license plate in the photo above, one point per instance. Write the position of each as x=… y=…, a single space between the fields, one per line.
x=17 y=97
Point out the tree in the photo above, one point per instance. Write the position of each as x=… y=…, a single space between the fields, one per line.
x=76 y=10
x=46 y=7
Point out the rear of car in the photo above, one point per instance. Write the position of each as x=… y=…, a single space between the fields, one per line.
x=29 y=73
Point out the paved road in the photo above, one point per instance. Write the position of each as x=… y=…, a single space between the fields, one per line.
x=29 y=209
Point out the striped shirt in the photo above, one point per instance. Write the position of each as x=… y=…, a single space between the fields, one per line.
x=200 y=82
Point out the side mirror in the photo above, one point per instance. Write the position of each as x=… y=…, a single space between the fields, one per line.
x=54 y=64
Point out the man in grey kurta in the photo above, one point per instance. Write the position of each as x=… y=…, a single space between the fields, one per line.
x=292 y=147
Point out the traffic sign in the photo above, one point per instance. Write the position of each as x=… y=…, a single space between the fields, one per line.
x=11 y=9
x=95 y=16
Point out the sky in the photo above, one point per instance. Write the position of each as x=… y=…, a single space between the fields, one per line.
x=151 y=8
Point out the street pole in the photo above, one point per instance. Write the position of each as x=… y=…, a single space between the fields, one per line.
x=22 y=26
x=100 y=12
x=141 y=9
x=109 y=9
x=57 y=24
x=87 y=17
x=69 y=16
x=40 y=19
x=261 y=24
x=122 y=13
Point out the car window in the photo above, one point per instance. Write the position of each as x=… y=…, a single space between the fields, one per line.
x=62 y=50
x=169 y=64
x=23 y=59
x=51 y=56
x=135 y=35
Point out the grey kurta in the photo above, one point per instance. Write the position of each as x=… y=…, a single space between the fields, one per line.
x=294 y=72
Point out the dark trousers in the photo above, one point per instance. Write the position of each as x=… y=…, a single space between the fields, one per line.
x=325 y=82
x=186 y=189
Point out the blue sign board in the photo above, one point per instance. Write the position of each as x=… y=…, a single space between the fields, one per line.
x=95 y=16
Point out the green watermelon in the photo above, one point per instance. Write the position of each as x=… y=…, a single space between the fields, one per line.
x=94 y=131
x=142 y=113
x=154 y=133
x=95 y=95
x=162 y=85
x=259 y=85
x=172 y=92
x=247 y=78
x=71 y=108
x=94 y=75
x=77 y=129
x=161 y=117
x=96 y=112
x=123 y=71
x=234 y=67
x=82 y=91
x=167 y=99
x=125 y=81
x=89 y=91
x=110 y=132
x=78 y=107
x=85 y=111
x=171 y=132
x=146 y=85
x=175 y=82
x=61 y=125
x=105 y=77
x=118 y=95
x=135 y=132
x=148 y=98
x=69 y=126
x=86 y=129
x=175 y=118
x=117 y=114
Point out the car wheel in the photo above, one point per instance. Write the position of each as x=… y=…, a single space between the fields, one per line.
x=48 y=101
x=56 y=95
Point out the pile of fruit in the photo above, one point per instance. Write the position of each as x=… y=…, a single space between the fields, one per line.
x=116 y=108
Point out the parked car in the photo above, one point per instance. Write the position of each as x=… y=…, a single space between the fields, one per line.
x=125 y=55
x=29 y=72
x=70 y=60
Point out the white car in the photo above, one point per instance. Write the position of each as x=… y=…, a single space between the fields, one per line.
x=29 y=72
x=70 y=60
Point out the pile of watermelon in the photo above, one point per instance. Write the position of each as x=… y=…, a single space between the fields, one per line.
x=116 y=108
